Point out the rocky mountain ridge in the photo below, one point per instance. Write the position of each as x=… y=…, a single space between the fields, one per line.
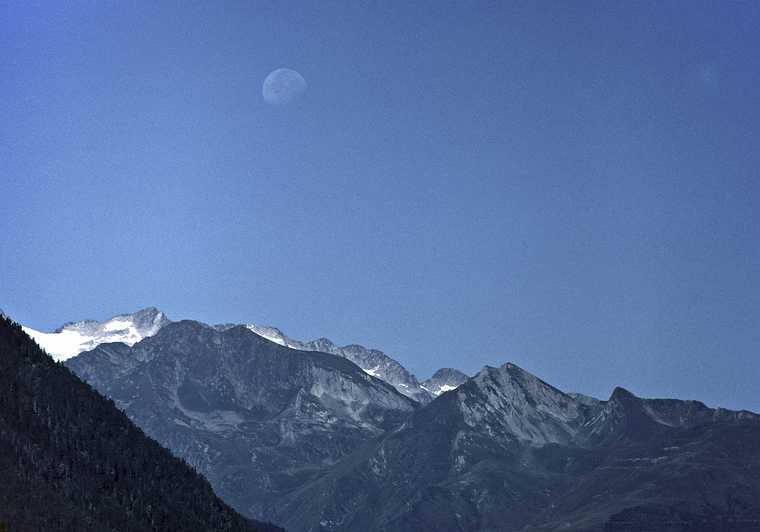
x=76 y=337
x=373 y=361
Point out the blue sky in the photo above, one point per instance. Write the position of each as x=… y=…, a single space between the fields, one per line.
x=570 y=186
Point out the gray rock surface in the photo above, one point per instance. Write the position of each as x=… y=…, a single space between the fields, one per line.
x=256 y=418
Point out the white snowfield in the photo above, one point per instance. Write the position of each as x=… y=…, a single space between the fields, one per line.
x=62 y=345
x=74 y=338
x=444 y=388
x=438 y=390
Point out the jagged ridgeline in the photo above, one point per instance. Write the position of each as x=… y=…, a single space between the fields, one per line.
x=70 y=460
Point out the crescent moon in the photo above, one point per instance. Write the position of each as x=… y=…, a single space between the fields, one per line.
x=283 y=86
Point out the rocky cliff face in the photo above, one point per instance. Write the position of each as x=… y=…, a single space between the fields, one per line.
x=256 y=418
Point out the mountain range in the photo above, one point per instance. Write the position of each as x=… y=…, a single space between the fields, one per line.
x=320 y=438
x=75 y=337
x=256 y=418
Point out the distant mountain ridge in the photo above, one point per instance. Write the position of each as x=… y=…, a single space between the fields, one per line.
x=76 y=337
x=373 y=361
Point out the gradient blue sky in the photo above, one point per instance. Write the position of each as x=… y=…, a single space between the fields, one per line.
x=572 y=186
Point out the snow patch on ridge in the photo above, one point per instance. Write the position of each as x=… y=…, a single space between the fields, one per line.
x=375 y=372
x=61 y=345
x=75 y=338
x=444 y=380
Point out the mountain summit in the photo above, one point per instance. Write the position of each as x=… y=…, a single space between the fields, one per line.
x=444 y=380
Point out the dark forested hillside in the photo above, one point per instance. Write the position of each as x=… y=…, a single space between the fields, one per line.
x=71 y=461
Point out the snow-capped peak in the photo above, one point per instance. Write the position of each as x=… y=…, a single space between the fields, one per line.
x=75 y=337
x=444 y=380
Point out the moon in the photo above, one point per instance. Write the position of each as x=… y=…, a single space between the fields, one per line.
x=283 y=86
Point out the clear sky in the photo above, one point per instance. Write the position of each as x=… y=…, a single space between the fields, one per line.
x=571 y=186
